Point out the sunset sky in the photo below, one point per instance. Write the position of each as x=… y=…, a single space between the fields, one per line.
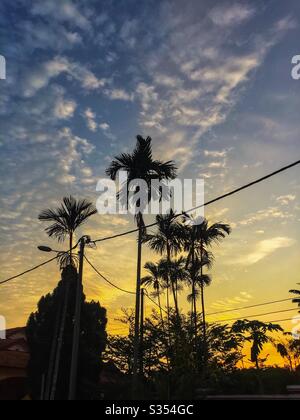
x=209 y=81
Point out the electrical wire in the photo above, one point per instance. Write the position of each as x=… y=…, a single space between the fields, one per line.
x=155 y=224
x=222 y=197
x=59 y=254
x=250 y=307
x=282 y=320
x=256 y=316
x=29 y=271
x=106 y=279
x=153 y=301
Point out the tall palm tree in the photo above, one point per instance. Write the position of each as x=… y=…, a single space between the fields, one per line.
x=153 y=279
x=258 y=334
x=198 y=281
x=64 y=222
x=140 y=165
x=167 y=240
x=198 y=238
x=175 y=275
x=66 y=219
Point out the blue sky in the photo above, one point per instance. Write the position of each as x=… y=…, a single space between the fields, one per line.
x=210 y=81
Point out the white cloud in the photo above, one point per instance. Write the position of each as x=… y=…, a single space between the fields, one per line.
x=64 y=109
x=215 y=153
x=41 y=77
x=57 y=37
x=90 y=117
x=271 y=213
x=217 y=165
x=104 y=126
x=287 y=23
x=286 y=199
x=168 y=81
x=266 y=248
x=119 y=94
x=63 y=11
x=229 y=14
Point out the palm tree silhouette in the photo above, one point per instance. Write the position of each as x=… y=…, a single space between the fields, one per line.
x=140 y=165
x=66 y=219
x=154 y=279
x=258 y=335
x=198 y=238
x=198 y=281
x=297 y=300
x=167 y=240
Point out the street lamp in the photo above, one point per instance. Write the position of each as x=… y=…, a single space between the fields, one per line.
x=47 y=249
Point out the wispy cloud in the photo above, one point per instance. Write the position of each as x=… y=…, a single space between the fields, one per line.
x=41 y=77
x=64 y=11
x=264 y=249
x=90 y=117
x=286 y=199
x=231 y=14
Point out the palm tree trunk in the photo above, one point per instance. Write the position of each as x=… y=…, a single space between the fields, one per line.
x=53 y=352
x=203 y=301
x=195 y=311
x=161 y=313
x=203 y=311
x=66 y=290
x=194 y=290
x=172 y=285
x=137 y=312
x=71 y=247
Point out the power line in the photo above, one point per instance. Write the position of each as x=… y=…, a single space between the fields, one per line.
x=251 y=184
x=256 y=316
x=246 y=317
x=29 y=271
x=59 y=255
x=282 y=320
x=155 y=224
x=106 y=279
x=250 y=307
x=222 y=197
x=153 y=301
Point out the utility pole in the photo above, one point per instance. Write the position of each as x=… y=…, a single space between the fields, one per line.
x=76 y=332
x=142 y=333
x=135 y=377
x=53 y=353
x=66 y=290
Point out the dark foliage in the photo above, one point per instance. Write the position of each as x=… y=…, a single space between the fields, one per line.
x=40 y=333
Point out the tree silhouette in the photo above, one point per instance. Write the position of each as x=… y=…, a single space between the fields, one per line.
x=66 y=219
x=258 y=335
x=41 y=330
x=140 y=165
x=167 y=240
x=153 y=279
x=198 y=238
x=297 y=300
x=64 y=222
